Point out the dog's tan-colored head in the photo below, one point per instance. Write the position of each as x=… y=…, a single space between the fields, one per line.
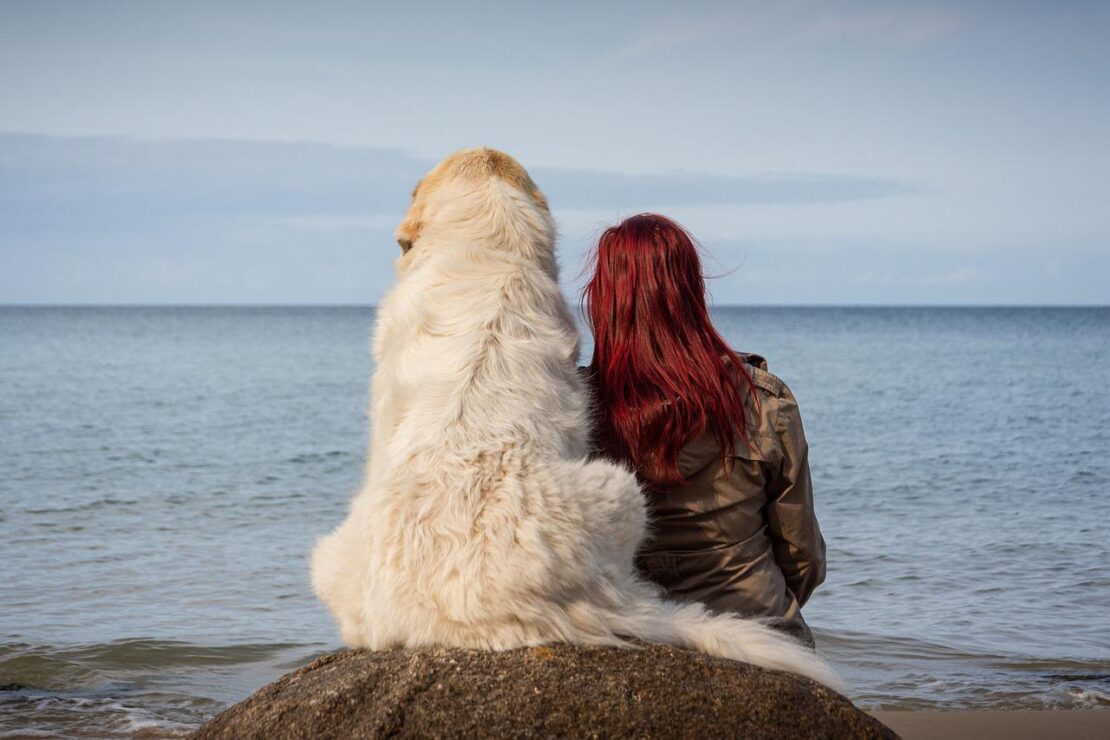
x=466 y=167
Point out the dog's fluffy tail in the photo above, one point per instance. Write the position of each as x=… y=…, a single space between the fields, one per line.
x=722 y=635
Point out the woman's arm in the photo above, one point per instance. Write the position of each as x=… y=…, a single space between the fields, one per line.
x=798 y=545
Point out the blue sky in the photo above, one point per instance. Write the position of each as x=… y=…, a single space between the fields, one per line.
x=850 y=152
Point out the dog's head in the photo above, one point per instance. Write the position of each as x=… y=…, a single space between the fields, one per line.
x=465 y=187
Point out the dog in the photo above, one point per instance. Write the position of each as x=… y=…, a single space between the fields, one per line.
x=482 y=522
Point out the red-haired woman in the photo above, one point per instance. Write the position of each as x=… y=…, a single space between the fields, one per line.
x=714 y=437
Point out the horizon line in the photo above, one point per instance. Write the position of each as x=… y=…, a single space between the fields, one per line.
x=4 y=304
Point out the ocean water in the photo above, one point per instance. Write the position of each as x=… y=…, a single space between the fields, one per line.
x=164 y=472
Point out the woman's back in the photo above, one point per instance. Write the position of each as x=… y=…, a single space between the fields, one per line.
x=739 y=534
x=715 y=438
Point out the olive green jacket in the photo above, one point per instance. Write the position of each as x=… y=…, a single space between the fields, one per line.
x=741 y=535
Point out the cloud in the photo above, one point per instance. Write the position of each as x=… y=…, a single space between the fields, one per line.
x=951 y=277
x=899 y=25
x=848 y=271
x=109 y=219
x=72 y=183
x=803 y=23
x=955 y=276
x=586 y=190
x=670 y=32
x=104 y=185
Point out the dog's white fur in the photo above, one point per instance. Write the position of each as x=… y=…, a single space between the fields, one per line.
x=481 y=523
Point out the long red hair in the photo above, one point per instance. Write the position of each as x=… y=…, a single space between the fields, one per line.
x=661 y=373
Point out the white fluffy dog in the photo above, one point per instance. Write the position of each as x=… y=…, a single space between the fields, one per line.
x=481 y=523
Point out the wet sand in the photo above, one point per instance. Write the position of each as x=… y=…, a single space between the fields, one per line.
x=1000 y=725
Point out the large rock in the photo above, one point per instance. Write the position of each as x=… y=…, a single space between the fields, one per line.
x=556 y=691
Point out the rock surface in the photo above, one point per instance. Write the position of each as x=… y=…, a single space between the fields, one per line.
x=554 y=691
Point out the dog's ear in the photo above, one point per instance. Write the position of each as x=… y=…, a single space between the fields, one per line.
x=539 y=197
x=408 y=231
x=508 y=169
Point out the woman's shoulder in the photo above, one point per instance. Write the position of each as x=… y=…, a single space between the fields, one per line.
x=773 y=408
x=762 y=378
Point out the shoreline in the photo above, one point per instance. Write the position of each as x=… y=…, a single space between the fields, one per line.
x=1003 y=724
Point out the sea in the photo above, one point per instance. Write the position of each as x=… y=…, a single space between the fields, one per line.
x=164 y=472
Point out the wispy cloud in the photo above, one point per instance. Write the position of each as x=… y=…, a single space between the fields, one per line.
x=908 y=24
x=796 y=23
x=103 y=185
x=603 y=190
x=848 y=271
x=955 y=276
x=951 y=277
x=110 y=219
x=670 y=32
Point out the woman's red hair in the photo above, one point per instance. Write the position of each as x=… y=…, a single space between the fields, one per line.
x=661 y=373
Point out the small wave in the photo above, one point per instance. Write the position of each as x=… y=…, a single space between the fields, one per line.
x=137 y=457
x=101 y=716
x=132 y=688
x=276 y=498
x=314 y=457
x=1061 y=667
x=90 y=506
x=46 y=667
x=1084 y=697
x=906 y=673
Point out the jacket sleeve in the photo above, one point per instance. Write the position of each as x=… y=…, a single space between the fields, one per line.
x=798 y=545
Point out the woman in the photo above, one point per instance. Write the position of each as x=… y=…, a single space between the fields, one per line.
x=716 y=439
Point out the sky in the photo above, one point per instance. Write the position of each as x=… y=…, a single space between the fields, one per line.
x=870 y=152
